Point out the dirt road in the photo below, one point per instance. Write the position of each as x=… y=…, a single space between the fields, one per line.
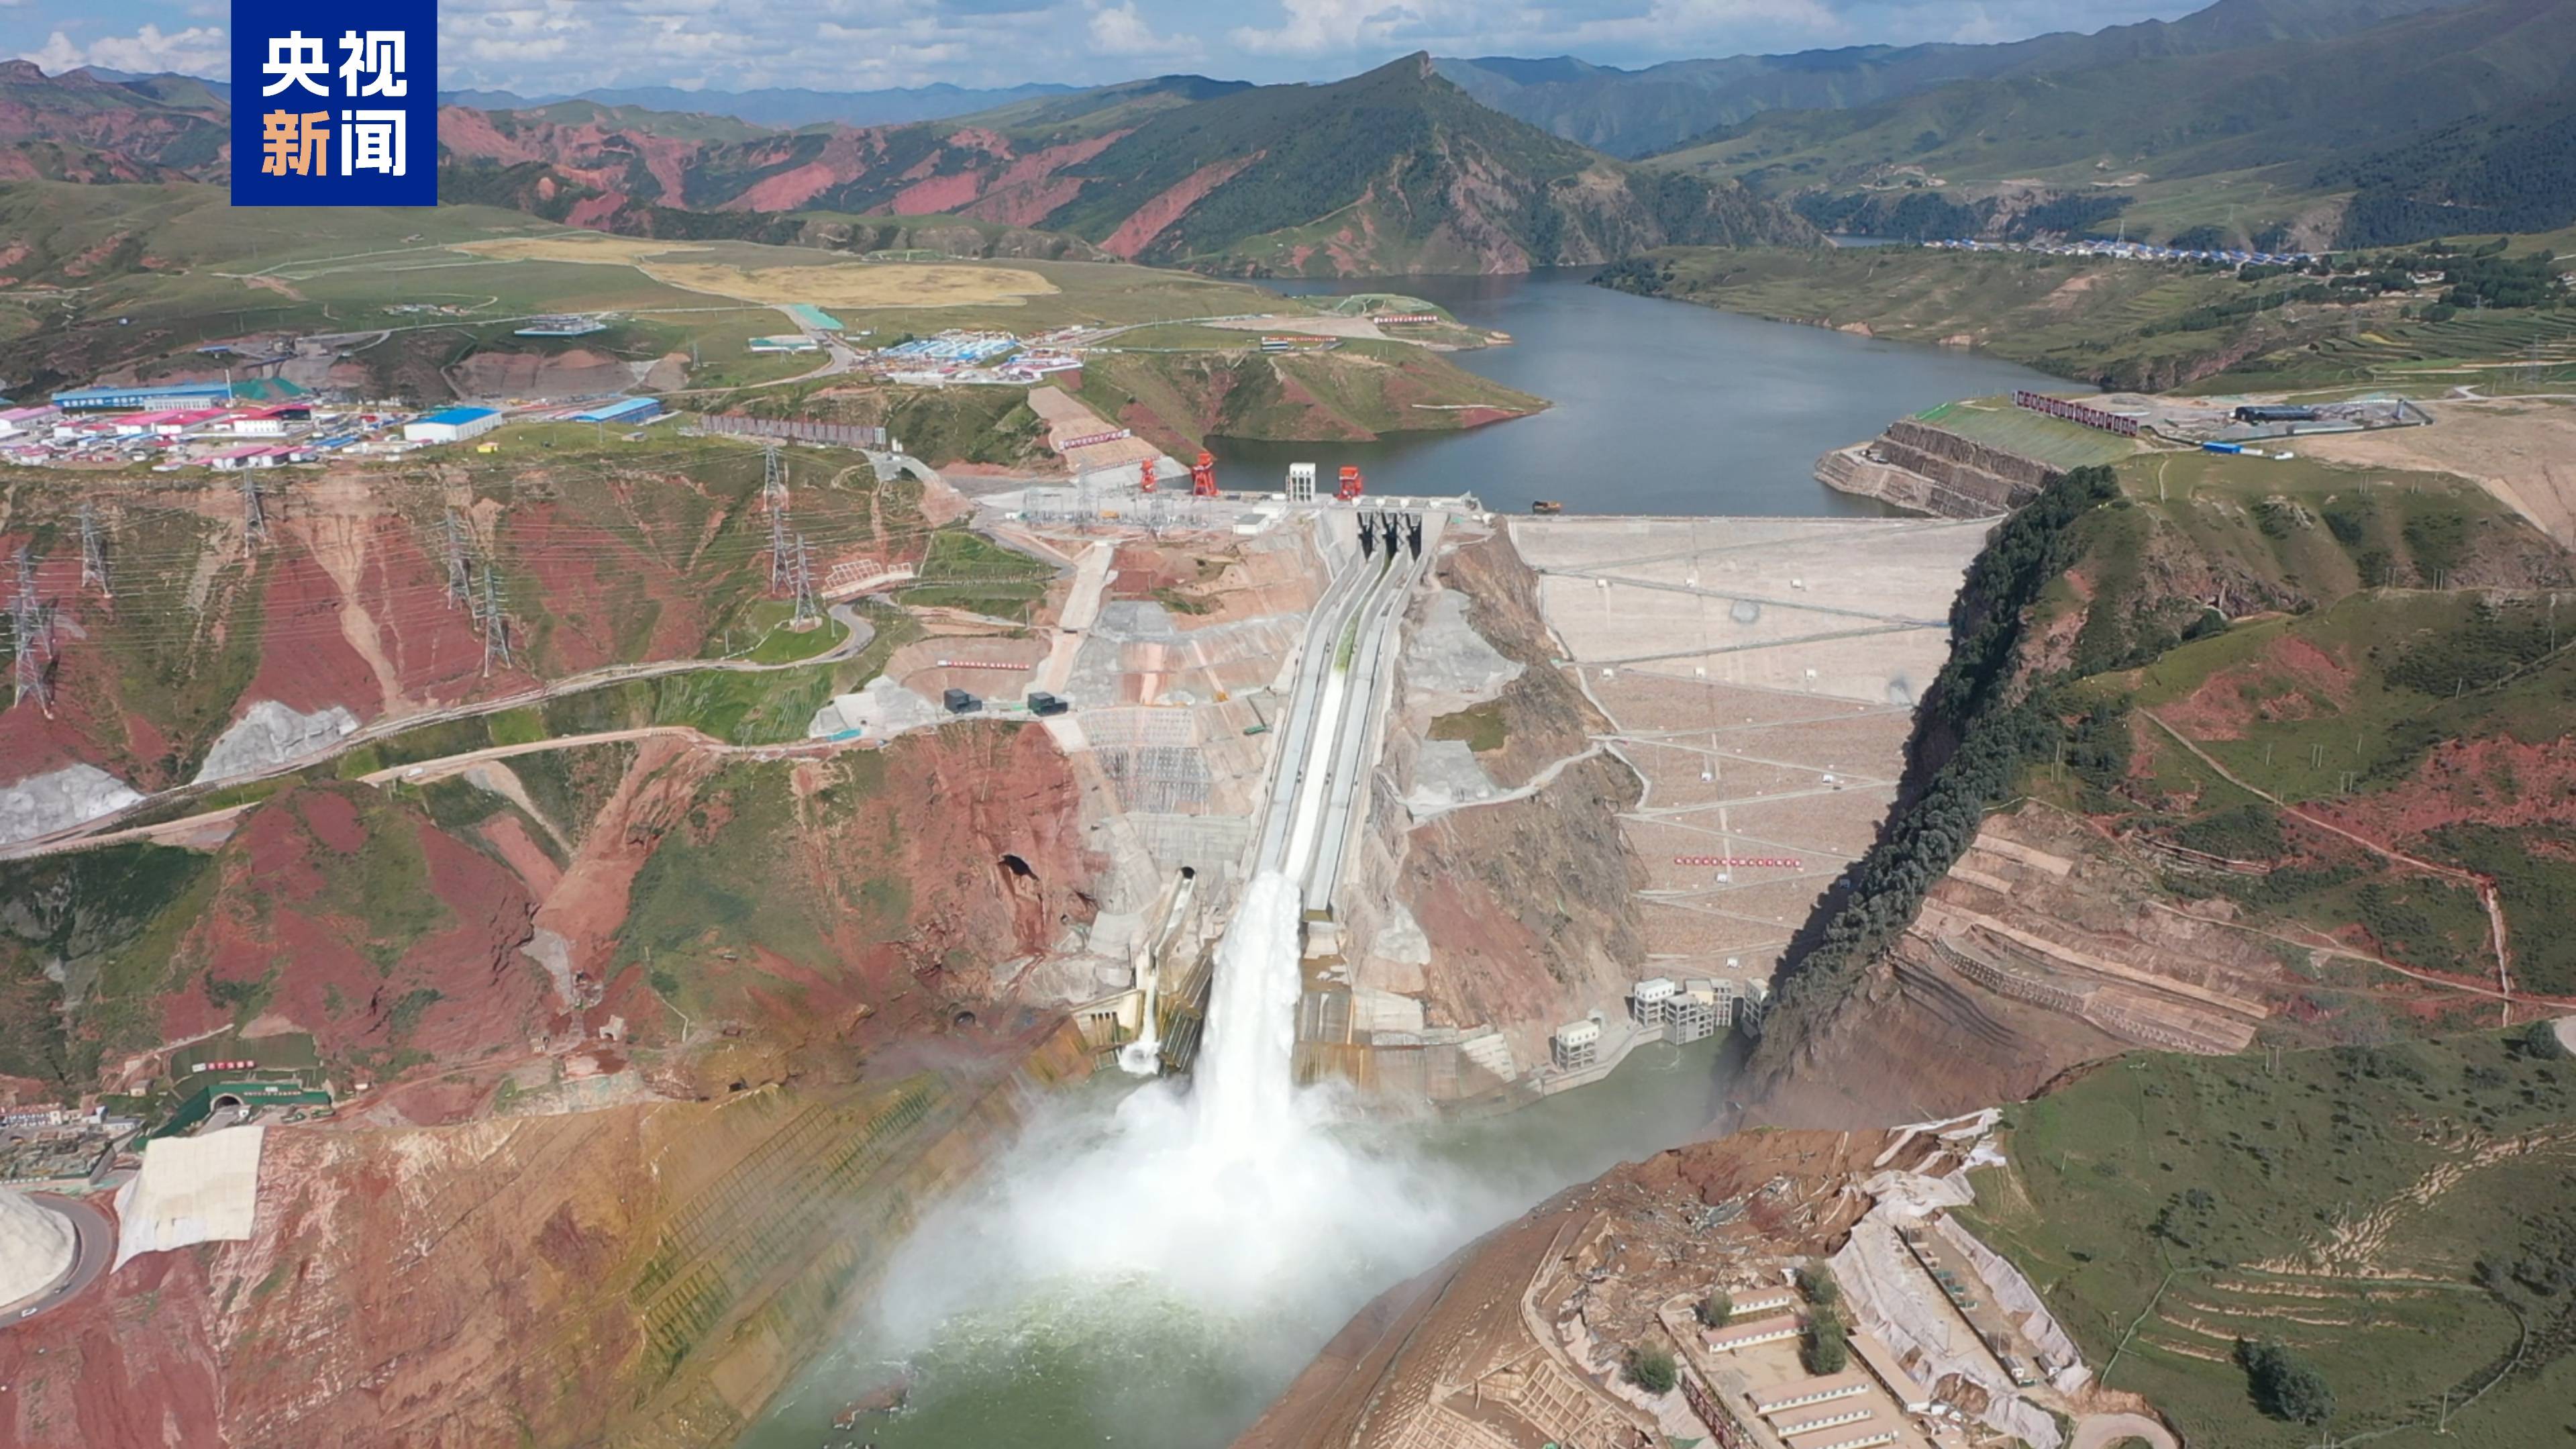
x=2485 y=889
x=2101 y=1431
x=104 y=829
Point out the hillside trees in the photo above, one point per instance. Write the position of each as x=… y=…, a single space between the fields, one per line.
x=1976 y=729
x=2283 y=1384
x=1827 y=1349
x=1650 y=1367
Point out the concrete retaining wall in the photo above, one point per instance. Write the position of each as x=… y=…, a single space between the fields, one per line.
x=1915 y=465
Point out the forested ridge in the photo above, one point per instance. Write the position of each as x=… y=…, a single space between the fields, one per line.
x=1980 y=722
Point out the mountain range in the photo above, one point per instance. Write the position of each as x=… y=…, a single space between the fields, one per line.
x=2318 y=122
x=1395 y=170
x=1636 y=113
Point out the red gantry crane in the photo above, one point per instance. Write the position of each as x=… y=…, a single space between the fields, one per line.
x=1348 y=490
x=1203 y=476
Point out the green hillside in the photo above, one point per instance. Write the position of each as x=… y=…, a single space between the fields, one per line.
x=2397 y=1217
x=1443 y=179
x=2510 y=172
x=2156 y=326
x=1102 y=108
x=1640 y=112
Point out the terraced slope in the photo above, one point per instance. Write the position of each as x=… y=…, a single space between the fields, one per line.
x=2395 y=1216
x=2289 y=740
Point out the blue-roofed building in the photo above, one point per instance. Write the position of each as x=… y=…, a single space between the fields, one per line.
x=624 y=410
x=451 y=425
x=132 y=398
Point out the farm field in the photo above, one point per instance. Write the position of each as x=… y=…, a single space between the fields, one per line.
x=764 y=276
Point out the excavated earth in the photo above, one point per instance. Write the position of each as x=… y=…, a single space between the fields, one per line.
x=1477 y=1349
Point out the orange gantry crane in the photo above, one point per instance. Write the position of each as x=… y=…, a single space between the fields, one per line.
x=1203 y=476
x=1348 y=490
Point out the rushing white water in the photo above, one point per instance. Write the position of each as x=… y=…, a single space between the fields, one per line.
x=1247 y=1103
x=1152 y=1274
x=1233 y=1196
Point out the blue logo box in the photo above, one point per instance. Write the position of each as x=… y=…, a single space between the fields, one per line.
x=335 y=104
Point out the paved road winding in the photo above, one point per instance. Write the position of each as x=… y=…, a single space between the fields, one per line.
x=93 y=1247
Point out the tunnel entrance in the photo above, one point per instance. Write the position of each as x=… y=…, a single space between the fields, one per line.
x=1018 y=867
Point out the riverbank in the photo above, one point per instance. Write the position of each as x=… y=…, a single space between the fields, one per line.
x=2090 y=320
x=2114 y=323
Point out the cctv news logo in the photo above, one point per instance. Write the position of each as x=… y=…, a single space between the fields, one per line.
x=331 y=111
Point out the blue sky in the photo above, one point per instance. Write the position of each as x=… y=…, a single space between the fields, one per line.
x=534 y=46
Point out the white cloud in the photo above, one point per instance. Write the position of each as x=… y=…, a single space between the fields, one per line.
x=199 y=50
x=1320 y=27
x=1120 y=30
x=1675 y=28
x=563 y=45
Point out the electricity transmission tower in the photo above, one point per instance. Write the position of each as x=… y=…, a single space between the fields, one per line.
x=773 y=477
x=801 y=577
x=773 y=499
x=494 y=624
x=28 y=635
x=93 y=551
x=254 y=515
x=460 y=584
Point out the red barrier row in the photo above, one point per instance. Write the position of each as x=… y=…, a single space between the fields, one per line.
x=2076 y=412
x=1092 y=439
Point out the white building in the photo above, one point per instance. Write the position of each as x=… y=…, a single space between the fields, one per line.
x=1647 y=1000
x=32 y=421
x=1576 y=1045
